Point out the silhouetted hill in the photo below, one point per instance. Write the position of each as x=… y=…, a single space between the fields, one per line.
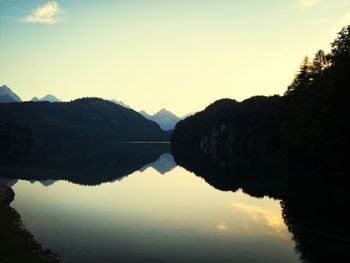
x=7 y=95
x=14 y=140
x=166 y=119
x=316 y=127
x=228 y=131
x=88 y=119
x=307 y=127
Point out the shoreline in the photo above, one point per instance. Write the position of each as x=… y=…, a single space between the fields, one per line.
x=17 y=244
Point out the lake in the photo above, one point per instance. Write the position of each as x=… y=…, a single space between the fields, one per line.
x=156 y=212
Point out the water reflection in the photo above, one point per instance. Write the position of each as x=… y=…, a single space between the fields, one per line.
x=86 y=164
x=8 y=181
x=164 y=164
x=175 y=217
x=140 y=206
x=313 y=206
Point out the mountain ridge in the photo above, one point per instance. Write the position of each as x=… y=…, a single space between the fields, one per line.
x=86 y=119
x=48 y=98
x=121 y=103
x=7 y=95
x=166 y=119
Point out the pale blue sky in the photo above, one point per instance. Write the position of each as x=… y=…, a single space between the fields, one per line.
x=180 y=54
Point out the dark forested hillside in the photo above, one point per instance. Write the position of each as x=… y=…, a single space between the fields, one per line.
x=316 y=126
x=229 y=132
x=293 y=148
x=14 y=140
x=307 y=127
x=88 y=119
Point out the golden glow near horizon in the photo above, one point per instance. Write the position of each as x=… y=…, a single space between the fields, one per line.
x=179 y=55
x=175 y=216
x=156 y=199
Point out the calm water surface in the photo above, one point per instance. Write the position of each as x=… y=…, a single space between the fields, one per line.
x=158 y=213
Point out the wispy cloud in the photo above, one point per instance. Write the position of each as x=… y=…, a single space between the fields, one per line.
x=222 y=227
x=45 y=14
x=308 y=3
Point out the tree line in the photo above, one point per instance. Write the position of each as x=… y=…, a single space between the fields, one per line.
x=307 y=127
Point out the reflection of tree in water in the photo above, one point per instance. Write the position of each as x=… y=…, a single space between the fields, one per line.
x=82 y=163
x=319 y=222
x=314 y=211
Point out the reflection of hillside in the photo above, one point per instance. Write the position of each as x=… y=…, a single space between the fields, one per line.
x=319 y=222
x=47 y=182
x=87 y=164
x=314 y=211
x=11 y=182
x=164 y=164
x=8 y=181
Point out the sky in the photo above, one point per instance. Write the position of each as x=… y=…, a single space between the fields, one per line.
x=151 y=54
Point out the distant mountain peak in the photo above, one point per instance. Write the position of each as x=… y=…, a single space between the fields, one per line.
x=7 y=95
x=164 y=111
x=165 y=119
x=4 y=87
x=121 y=103
x=187 y=115
x=145 y=114
x=48 y=98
